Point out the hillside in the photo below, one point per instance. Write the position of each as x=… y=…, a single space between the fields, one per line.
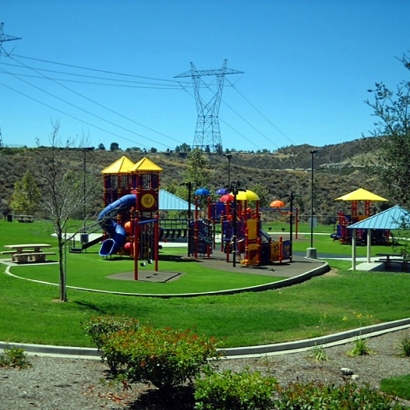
x=339 y=169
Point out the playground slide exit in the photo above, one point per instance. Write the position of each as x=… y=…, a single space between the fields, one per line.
x=114 y=230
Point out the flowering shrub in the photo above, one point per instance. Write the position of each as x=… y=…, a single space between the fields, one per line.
x=164 y=357
x=228 y=390
x=99 y=327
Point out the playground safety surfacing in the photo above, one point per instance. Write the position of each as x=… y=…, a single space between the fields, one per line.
x=218 y=261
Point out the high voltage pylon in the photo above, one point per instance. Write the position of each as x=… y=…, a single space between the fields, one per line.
x=207 y=131
x=5 y=37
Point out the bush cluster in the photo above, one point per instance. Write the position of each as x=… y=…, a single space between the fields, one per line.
x=165 y=358
x=14 y=357
x=228 y=390
x=169 y=359
x=298 y=396
x=100 y=327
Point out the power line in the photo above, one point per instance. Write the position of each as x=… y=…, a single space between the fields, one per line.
x=129 y=83
x=72 y=116
x=98 y=70
x=96 y=103
x=264 y=116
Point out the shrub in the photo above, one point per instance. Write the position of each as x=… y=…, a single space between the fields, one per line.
x=164 y=357
x=100 y=327
x=318 y=353
x=404 y=345
x=14 y=357
x=360 y=349
x=239 y=391
x=299 y=396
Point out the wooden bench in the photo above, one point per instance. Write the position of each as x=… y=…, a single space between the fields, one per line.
x=389 y=258
x=34 y=257
x=24 y=218
x=8 y=252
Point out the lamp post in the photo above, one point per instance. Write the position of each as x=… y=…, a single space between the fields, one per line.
x=189 y=186
x=311 y=252
x=229 y=157
x=234 y=189
x=85 y=149
x=291 y=197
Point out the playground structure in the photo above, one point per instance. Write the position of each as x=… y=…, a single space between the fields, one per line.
x=241 y=233
x=131 y=223
x=130 y=216
x=343 y=234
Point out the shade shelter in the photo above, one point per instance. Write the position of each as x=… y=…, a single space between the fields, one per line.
x=389 y=219
x=361 y=195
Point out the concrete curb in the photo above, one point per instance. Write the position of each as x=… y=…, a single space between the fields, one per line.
x=236 y=352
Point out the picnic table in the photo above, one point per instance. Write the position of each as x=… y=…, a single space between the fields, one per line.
x=388 y=258
x=28 y=252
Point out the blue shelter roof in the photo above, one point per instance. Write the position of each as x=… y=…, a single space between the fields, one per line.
x=171 y=202
x=389 y=219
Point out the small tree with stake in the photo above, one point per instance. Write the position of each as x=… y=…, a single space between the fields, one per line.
x=63 y=193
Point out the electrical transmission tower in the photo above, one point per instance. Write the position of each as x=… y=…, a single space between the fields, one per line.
x=207 y=132
x=5 y=37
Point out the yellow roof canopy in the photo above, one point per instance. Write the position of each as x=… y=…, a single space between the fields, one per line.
x=121 y=166
x=361 y=195
x=146 y=165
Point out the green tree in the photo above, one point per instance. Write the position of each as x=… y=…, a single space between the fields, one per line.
x=114 y=146
x=392 y=109
x=196 y=171
x=263 y=194
x=26 y=195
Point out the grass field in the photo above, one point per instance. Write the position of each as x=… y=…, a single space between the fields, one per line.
x=323 y=305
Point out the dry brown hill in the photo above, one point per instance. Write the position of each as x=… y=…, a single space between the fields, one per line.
x=339 y=169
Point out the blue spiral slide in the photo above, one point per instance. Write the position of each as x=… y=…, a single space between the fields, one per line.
x=114 y=230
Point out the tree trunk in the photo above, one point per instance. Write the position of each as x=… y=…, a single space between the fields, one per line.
x=61 y=260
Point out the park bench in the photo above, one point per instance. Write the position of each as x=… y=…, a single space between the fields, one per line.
x=27 y=257
x=24 y=218
x=389 y=258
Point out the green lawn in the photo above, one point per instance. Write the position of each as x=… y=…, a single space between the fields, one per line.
x=323 y=305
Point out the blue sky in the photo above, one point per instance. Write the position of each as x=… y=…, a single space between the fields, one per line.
x=307 y=66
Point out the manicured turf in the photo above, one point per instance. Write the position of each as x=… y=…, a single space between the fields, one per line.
x=323 y=305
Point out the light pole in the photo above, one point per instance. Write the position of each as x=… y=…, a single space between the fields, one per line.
x=229 y=157
x=189 y=186
x=234 y=189
x=291 y=197
x=85 y=149
x=311 y=252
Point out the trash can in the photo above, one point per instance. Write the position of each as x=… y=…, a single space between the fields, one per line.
x=84 y=238
x=9 y=218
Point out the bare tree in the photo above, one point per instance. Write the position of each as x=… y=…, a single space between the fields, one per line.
x=63 y=192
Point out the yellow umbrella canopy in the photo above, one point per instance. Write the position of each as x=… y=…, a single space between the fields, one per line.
x=361 y=195
x=247 y=196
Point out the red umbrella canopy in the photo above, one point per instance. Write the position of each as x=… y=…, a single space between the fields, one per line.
x=226 y=198
x=277 y=203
